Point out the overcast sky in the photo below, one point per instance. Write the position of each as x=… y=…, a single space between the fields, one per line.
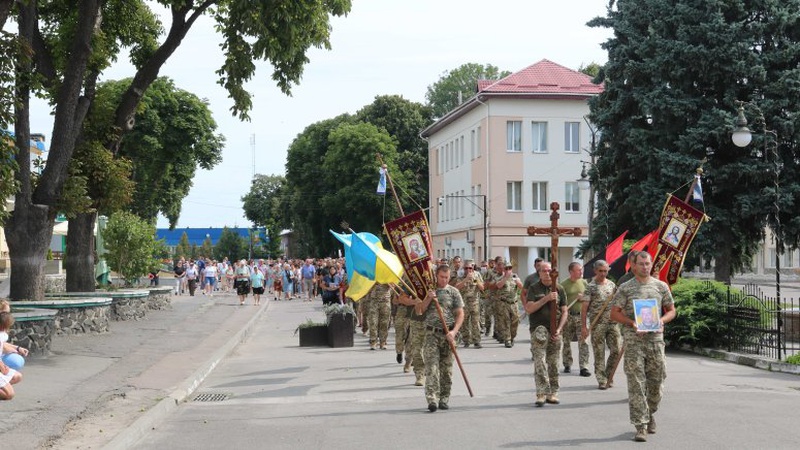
x=383 y=47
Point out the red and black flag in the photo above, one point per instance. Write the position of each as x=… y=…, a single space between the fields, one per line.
x=610 y=254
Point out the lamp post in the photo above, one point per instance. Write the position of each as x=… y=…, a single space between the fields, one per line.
x=741 y=137
x=485 y=217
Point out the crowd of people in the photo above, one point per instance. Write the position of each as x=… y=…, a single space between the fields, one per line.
x=281 y=279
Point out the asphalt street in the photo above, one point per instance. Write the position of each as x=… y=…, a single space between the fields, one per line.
x=271 y=393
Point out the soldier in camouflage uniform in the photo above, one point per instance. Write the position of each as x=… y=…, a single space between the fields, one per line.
x=402 y=328
x=436 y=351
x=491 y=283
x=363 y=313
x=604 y=332
x=505 y=305
x=380 y=312
x=417 y=338
x=575 y=287
x=470 y=286
x=645 y=362
x=546 y=347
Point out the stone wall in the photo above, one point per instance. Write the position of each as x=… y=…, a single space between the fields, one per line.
x=160 y=298
x=83 y=320
x=55 y=284
x=34 y=334
x=129 y=307
x=72 y=315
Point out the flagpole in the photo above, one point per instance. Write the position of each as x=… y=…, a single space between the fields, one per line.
x=391 y=185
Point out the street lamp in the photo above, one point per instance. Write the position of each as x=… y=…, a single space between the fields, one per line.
x=485 y=217
x=741 y=137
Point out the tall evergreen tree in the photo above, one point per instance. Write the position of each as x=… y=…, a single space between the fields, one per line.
x=674 y=73
x=183 y=249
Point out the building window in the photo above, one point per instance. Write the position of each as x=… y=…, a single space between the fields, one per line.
x=572 y=131
x=461 y=145
x=572 y=197
x=514 y=136
x=478 y=142
x=539 y=137
x=540 y=196
x=472 y=144
x=514 y=196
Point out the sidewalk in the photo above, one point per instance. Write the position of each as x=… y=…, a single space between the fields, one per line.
x=95 y=386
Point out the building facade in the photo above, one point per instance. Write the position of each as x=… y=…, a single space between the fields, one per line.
x=499 y=160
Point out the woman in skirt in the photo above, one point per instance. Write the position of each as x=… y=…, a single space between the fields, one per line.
x=242 y=281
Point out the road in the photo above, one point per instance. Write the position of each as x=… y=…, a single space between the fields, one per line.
x=277 y=395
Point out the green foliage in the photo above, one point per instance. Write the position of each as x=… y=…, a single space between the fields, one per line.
x=794 y=359
x=592 y=69
x=674 y=72
x=403 y=120
x=230 y=244
x=183 y=249
x=442 y=96
x=337 y=308
x=131 y=245
x=207 y=249
x=265 y=205
x=701 y=317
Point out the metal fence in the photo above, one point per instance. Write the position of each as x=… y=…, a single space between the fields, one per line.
x=761 y=325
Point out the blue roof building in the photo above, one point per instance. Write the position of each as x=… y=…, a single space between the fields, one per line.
x=198 y=235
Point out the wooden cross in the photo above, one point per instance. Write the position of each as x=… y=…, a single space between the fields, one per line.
x=554 y=232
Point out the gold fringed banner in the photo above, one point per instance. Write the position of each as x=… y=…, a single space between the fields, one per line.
x=678 y=227
x=410 y=238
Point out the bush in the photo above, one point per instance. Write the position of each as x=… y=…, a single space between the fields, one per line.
x=336 y=308
x=701 y=318
x=794 y=359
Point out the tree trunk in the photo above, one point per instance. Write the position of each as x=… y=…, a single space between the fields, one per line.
x=28 y=232
x=722 y=258
x=81 y=253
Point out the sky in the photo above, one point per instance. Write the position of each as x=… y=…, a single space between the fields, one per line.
x=383 y=47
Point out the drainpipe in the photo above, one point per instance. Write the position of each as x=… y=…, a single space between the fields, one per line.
x=487 y=191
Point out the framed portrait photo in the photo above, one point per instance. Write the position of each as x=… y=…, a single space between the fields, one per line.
x=648 y=316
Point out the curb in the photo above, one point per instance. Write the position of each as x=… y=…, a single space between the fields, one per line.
x=153 y=416
x=745 y=360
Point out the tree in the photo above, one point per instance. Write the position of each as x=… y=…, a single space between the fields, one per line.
x=263 y=206
x=343 y=186
x=131 y=246
x=458 y=85
x=403 y=120
x=305 y=184
x=674 y=72
x=230 y=245
x=207 y=249
x=182 y=249
x=592 y=69
x=71 y=45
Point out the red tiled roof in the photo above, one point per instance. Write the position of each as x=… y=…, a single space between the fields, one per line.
x=544 y=77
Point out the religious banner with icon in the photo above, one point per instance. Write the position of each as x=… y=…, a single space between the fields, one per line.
x=678 y=226
x=410 y=238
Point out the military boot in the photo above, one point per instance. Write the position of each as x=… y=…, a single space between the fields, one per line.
x=651 y=426
x=641 y=433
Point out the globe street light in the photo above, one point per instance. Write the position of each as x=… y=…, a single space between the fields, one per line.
x=741 y=137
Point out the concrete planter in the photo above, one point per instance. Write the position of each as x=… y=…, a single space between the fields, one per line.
x=33 y=329
x=160 y=297
x=74 y=315
x=340 y=330
x=314 y=336
x=128 y=304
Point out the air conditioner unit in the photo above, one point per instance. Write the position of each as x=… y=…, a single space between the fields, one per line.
x=448 y=241
x=471 y=236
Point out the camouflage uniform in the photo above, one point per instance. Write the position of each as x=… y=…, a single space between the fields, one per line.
x=363 y=313
x=436 y=351
x=645 y=362
x=605 y=332
x=491 y=310
x=506 y=310
x=402 y=330
x=546 y=351
x=573 y=326
x=417 y=339
x=471 y=331
x=380 y=312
